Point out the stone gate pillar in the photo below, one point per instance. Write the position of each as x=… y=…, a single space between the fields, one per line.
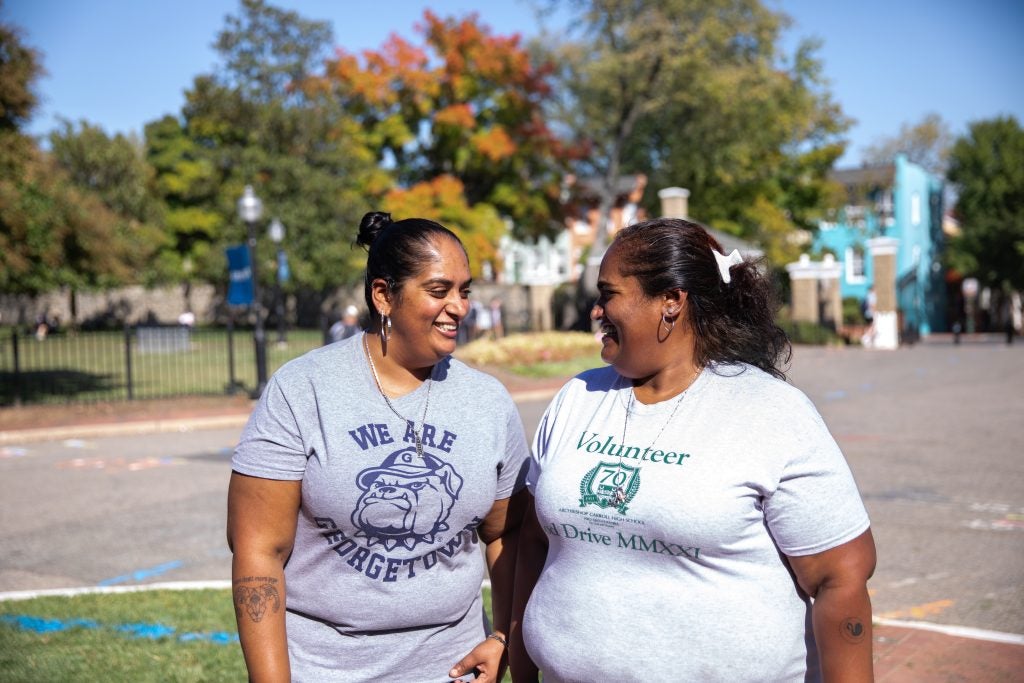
x=675 y=202
x=885 y=321
x=803 y=277
x=830 y=297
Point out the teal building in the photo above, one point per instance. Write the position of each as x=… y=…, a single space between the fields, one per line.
x=902 y=201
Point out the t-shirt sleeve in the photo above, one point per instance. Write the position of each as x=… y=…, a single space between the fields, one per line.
x=816 y=505
x=515 y=460
x=542 y=439
x=271 y=445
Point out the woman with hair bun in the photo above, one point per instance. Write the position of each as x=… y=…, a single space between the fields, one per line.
x=367 y=478
x=692 y=518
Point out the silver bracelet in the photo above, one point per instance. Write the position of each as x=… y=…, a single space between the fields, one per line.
x=495 y=636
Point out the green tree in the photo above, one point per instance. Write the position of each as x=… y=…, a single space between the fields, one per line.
x=255 y=121
x=52 y=234
x=187 y=179
x=926 y=143
x=268 y=52
x=987 y=166
x=115 y=170
x=699 y=94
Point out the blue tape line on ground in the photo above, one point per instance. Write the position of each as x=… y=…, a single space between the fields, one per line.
x=42 y=625
x=142 y=574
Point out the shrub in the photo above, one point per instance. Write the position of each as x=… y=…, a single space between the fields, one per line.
x=801 y=332
x=853 y=313
x=534 y=347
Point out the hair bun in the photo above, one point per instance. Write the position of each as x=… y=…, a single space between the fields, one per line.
x=372 y=225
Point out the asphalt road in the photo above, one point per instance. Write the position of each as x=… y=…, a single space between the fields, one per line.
x=934 y=435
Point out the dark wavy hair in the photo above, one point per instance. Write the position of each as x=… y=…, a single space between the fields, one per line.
x=396 y=250
x=732 y=322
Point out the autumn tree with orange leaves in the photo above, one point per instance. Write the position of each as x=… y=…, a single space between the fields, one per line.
x=459 y=118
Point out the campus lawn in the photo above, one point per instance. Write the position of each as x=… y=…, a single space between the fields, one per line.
x=158 y=636
x=144 y=636
x=93 y=366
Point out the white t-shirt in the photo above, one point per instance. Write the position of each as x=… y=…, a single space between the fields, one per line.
x=665 y=558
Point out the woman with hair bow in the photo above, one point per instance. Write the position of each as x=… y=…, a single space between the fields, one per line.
x=693 y=519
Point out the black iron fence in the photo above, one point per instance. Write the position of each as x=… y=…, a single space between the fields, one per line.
x=136 y=363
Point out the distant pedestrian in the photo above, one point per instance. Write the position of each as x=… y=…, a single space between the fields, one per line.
x=868 y=305
x=1011 y=314
x=467 y=326
x=42 y=328
x=867 y=339
x=497 y=319
x=347 y=326
x=484 y=322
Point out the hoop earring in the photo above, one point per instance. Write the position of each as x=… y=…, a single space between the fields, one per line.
x=385 y=327
x=669 y=326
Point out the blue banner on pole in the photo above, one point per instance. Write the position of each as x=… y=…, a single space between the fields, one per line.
x=284 y=273
x=239 y=276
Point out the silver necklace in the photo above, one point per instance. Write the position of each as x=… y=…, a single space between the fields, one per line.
x=380 y=388
x=629 y=411
x=620 y=493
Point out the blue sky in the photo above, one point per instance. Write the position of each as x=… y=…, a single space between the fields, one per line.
x=123 y=63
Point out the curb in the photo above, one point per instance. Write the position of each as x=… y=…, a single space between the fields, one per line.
x=121 y=428
x=186 y=424
x=955 y=631
x=214 y=584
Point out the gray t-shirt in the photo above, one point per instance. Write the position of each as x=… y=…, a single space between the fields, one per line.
x=384 y=580
x=665 y=559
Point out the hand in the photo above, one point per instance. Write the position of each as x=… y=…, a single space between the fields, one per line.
x=486 y=658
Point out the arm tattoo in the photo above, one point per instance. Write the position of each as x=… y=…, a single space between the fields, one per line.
x=852 y=630
x=253 y=594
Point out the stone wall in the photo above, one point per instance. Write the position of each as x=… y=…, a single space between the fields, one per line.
x=132 y=304
x=525 y=307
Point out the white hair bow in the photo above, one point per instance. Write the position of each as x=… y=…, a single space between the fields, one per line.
x=727 y=262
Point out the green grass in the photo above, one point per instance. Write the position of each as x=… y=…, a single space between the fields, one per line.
x=92 y=366
x=101 y=652
x=561 y=368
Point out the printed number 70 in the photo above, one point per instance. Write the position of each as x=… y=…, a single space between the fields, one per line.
x=618 y=477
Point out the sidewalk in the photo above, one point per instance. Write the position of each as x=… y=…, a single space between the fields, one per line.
x=916 y=653
x=903 y=651
x=56 y=422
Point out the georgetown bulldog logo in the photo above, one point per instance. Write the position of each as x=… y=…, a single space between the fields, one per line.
x=406 y=500
x=610 y=485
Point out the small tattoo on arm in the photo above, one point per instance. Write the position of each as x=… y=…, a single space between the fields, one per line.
x=852 y=630
x=254 y=594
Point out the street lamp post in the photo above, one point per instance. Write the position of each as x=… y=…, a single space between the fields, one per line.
x=250 y=208
x=276 y=232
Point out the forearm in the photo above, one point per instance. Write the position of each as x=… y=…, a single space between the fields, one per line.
x=532 y=552
x=258 y=589
x=842 y=628
x=500 y=556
